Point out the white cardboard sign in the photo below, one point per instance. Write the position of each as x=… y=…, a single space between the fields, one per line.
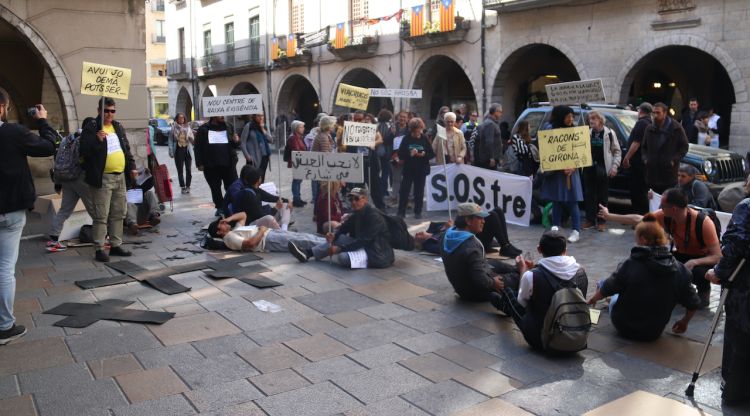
x=321 y=166
x=359 y=134
x=395 y=93
x=576 y=92
x=232 y=105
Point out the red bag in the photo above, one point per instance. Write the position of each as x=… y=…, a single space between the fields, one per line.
x=162 y=183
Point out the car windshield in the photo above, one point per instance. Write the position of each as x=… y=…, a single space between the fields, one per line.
x=161 y=122
x=627 y=120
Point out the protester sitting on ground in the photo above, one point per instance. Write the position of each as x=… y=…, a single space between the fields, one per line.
x=246 y=195
x=646 y=287
x=145 y=213
x=696 y=191
x=364 y=235
x=322 y=207
x=697 y=254
x=463 y=255
x=238 y=237
x=538 y=286
x=735 y=364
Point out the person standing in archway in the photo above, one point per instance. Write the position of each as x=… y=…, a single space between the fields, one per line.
x=216 y=155
x=664 y=146
x=180 y=140
x=688 y=118
x=254 y=144
x=634 y=161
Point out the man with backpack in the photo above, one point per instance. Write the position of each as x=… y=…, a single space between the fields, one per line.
x=694 y=232
x=550 y=308
x=696 y=191
x=363 y=239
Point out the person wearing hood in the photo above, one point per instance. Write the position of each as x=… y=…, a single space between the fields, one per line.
x=529 y=308
x=646 y=287
x=735 y=364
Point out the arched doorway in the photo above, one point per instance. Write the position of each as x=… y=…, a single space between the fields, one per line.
x=673 y=75
x=297 y=99
x=184 y=104
x=524 y=74
x=364 y=78
x=206 y=93
x=242 y=88
x=443 y=82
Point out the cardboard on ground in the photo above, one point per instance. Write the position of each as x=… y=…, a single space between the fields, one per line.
x=576 y=92
x=566 y=148
x=105 y=80
x=47 y=207
x=352 y=97
x=641 y=403
x=676 y=352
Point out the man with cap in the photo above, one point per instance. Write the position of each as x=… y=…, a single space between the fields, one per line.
x=471 y=276
x=363 y=236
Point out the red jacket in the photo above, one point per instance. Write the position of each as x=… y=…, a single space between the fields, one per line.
x=321 y=210
x=295 y=143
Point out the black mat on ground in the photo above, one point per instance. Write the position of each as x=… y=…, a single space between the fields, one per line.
x=237 y=271
x=81 y=315
x=126 y=267
x=233 y=262
x=166 y=284
x=260 y=281
x=104 y=281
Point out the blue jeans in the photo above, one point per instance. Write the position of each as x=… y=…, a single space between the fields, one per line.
x=385 y=174
x=296 y=184
x=612 y=299
x=11 y=226
x=320 y=251
x=572 y=207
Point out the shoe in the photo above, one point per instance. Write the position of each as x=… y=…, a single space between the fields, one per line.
x=101 y=256
x=183 y=190
x=497 y=301
x=15 y=332
x=509 y=250
x=587 y=224
x=187 y=189
x=297 y=252
x=574 y=236
x=555 y=228
x=154 y=219
x=601 y=227
x=119 y=251
x=417 y=216
x=55 y=246
x=132 y=228
x=705 y=298
x=298 y=204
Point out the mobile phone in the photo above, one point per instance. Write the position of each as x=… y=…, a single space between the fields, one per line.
x=527 y=256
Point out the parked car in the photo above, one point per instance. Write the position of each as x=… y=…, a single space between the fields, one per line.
x=718 y=167
x=162 y=130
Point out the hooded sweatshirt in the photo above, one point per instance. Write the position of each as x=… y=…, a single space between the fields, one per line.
x=650 y=283
x=467 y=270
x=564 y=267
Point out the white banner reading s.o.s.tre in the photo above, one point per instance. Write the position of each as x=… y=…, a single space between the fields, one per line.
x=321 y=166
x=232 y=105
x=488 y=189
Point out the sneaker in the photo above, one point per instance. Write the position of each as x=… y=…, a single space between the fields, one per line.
x=497 y=301
x=187 y=189
x=15 y=332
x=183 y=190
x=119 y=251
x=298 y=204
x=154 y=219
x=587 y=225
x=510 y=250
x=574 y=236
x=297 y=252
x=55 y=246
x=101 y=256
x=555 y=228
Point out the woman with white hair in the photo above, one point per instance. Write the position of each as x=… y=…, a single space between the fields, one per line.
x=295 y=143
x=450 y=148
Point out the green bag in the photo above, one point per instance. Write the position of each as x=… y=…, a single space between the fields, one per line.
x=547 y=216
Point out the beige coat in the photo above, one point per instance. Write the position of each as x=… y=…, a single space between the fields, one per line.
x=456 y=153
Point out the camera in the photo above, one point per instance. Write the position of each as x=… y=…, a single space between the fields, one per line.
x=32 y=112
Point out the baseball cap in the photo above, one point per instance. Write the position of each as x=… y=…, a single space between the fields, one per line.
x=358 y=192
x=470 y=209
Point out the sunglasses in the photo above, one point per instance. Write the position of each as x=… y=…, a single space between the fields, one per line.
x=108 y=111
x=353 y=198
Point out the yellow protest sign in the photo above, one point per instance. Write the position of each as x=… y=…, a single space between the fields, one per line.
x=105 y=80
x=352 y=97
x=565 y=148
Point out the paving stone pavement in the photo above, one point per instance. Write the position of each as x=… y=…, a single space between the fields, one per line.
x=364 y=342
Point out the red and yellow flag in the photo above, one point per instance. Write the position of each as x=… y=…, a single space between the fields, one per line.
x=339 y=42
x=447 y=15
x=417 y=21
x=274 y=49
x=291 y=46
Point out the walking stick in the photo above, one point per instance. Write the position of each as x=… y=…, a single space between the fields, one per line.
x=282 y=136
x=445 y=172
x=724 y=292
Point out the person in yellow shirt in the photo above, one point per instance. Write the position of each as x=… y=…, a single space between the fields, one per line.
x=106 y=162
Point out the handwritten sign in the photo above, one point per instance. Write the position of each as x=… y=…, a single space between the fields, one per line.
x=352 y=97
x=576 y=92
x=217 y=137
x=359 y=134
x=232 y=105
x=321 y=166
x=395 y=93
x=565 y=148
x=105 y=80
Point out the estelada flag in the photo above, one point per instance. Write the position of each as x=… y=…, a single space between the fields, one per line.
x=274 y=49
x=447 y=19
x=339 y=42
x=291 y=46
x=417 y=21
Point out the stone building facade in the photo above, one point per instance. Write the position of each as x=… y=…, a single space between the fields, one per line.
x=500 y=51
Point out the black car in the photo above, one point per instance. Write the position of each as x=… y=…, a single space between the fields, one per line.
x=162 y=129
x=717 y=167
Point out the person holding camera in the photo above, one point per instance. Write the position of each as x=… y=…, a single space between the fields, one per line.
x=17 y=195
x=415 y=151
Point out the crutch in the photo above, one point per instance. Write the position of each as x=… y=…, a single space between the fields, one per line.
x=724 y=292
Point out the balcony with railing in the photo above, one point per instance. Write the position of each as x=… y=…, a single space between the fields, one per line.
x=249 y=58
x=355 y=48
x=432 y=35
x=179 y=69
x=158 y=38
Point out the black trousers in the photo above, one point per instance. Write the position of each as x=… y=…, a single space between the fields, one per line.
x=595 y=191
x=263 y=167
x=495 y=228
x=182 y=158
x=735 y=362
x=698 y=272
x=407 y=180
x=215 y=175
x=372 y=179
x=638 y=190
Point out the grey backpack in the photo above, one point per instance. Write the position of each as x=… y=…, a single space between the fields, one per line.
x=568 y=321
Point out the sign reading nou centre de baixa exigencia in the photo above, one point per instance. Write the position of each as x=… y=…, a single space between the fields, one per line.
x=232 y=105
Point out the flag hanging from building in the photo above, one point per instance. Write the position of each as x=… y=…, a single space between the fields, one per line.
x=447 y=18
x=274 y=49
x=417 y=21
x=291 y=46
x=339 y=41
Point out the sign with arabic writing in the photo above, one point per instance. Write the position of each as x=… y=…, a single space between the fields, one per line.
x=359 y=134
x=321 y=166
x=566 y=148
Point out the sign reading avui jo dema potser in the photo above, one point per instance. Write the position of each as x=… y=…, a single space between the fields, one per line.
x=105 y=80
x=565 y=148
x=352 y=97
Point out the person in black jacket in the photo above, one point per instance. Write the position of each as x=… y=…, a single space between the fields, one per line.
x=216 y=155
x=664 y=145
x=489 y=151
x=646 y=287
x=362 y=239
x=246 y=195
x=17 y=195
x=415 y=152
x=634 y=161
x=107 y=162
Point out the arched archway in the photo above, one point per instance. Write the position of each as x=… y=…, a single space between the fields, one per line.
x=523 y=75
x=242 y=88
x=206 y=93
x=297 y=99
x=184 y=104
x=364 y=78
x=674 y=74
x=443 y=81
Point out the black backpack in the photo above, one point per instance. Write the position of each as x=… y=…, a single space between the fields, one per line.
x=400 y=238
x=702 y=214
